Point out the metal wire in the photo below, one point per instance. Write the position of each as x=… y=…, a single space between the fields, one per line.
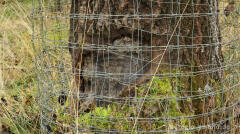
x=138 y=66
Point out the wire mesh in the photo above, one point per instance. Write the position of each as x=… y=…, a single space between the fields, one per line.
x=138 y=66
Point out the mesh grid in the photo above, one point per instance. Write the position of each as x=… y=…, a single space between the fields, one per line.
x=138 y=66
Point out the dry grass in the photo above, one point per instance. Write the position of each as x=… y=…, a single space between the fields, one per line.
x=18 y=90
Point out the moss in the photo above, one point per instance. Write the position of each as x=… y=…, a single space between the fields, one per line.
x=160 y=86
x=100 y=117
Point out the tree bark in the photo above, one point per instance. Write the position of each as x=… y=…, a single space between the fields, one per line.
x=93 y=25
x=131 y=38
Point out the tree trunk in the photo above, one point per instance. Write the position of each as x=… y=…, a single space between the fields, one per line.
x=119 y=45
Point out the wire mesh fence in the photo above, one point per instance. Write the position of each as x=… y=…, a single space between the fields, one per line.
x=138 y=66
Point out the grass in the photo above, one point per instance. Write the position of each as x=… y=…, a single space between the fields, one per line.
x=19 y=109
x=19 y=114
